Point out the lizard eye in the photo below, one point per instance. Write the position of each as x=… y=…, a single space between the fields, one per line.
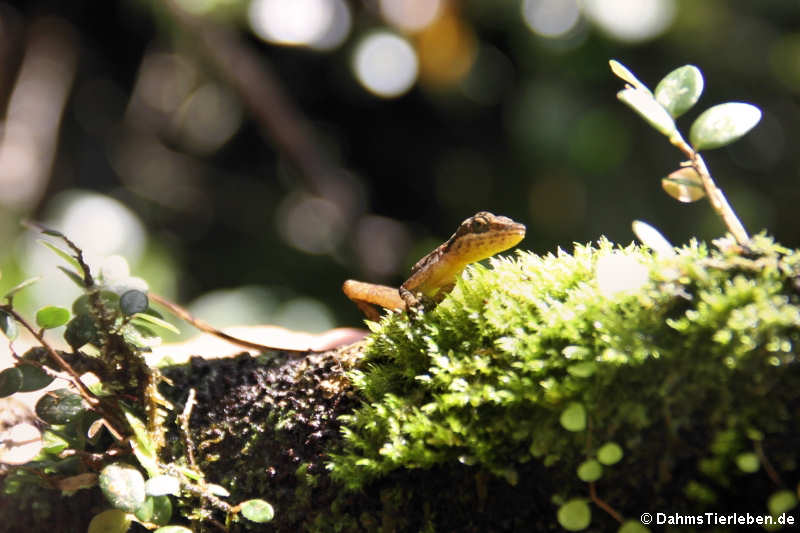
x=480 y=224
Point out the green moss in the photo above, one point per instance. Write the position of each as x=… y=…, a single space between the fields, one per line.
x=699 y=356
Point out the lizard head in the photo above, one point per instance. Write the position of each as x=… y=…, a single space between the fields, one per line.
x=482 y=235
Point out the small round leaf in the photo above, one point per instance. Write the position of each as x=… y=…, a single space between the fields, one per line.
x=575 y=515
x=609 y=453
x=649 y=109
x=123 y=485
x=573 y=418
x=590 y=470
x=33 y=378
x=257 y=511
x=748 y=462
x=111 y=521
x=622 y=72
x=723 y=124
x=10 y=381
x=80 y=330
x=59 y=406
x=583 y=369
x=173 y=529
x=53 y=443
x=685 y=185
x=781 y=501
x=51 y=316
x=680 y=90
x=632 y=526
x=132 y=302
x=155 y=509
x=8 y=326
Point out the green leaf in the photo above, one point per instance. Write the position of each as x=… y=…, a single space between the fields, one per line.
x=723 y=124
x=123 y=485
x=53 y=443
x=111 y=521
x=132 y=302
x=609 y=453
x=80 y=330
x=621 y=71
x=781 y=501
x=573 y=418
x=685 y=185
x=747 y=462
x=575 y=515
x=155 y=509
x=173 y=529
x=74 y=276
x=63 y=254
x=33 y=378
x=10 y=381
x=649 y=109
x=680 y=90
x=8 y=326
x=161 y=485
x=59 y=406
x=107 y=299
x=144 y=319
x=590 y=470
x=51 y=316
x=19 y=286
x=583 y=369
x=143 y=446
x=257 y=511
x=632 y=526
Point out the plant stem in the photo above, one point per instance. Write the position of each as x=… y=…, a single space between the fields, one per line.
x=714 y=193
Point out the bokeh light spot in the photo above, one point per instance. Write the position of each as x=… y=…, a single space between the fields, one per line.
x=382 y=256
x=446 y=50
x=385 y=64
x=409 y=15
x=550 y=18
x=304 y=314
x=291 y=22
x=209 y=118
x=311 y=224
x=631 y=20
x=338 y=29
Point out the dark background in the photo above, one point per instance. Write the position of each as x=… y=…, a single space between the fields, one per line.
x=262 y=175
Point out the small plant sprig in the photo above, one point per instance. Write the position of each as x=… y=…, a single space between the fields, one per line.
x=108 y=329
x=717 y=126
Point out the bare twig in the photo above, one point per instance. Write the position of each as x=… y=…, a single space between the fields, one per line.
x=183 y=314
x=602 y=504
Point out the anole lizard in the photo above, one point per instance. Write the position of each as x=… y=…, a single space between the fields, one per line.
x=478 y=237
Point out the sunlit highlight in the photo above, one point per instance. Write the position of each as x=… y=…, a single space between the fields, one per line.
x=550 y=18
x=291 y=22
x=410 y=15
x=631 y=20
x=338 y=29
x=385 y=64
x=311 y=224
x=447 y=50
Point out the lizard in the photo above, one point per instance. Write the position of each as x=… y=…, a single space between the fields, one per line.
x=432 y=277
